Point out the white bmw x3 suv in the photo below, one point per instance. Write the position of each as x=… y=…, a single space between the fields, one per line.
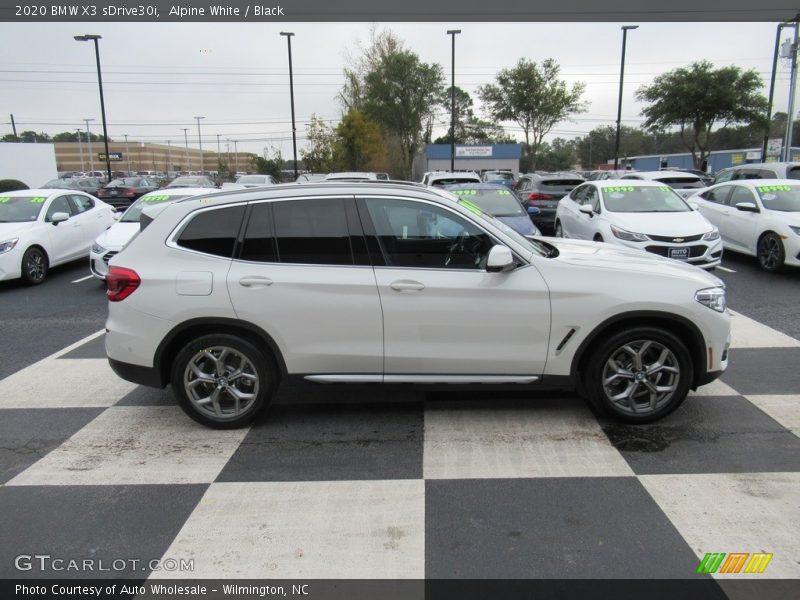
x=383 y=283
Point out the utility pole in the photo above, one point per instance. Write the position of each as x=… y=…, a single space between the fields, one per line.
x=289 y=35
x=89 y=137
x=236 y=154
x=14 y=128
x=787 y=156
x=127 y=153
x=625 y=29
x=452 y=33
x=169 y=157
x=200 y=142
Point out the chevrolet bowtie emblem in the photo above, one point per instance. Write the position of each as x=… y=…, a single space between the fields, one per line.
x=677 y=240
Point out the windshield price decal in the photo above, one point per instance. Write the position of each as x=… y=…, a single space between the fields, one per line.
x=4 y=199
x=619 y=188
x=157 y=198
x=465 y=192
x=37 y=200
x=774 y=188
x=503 y=193
x=470 y=206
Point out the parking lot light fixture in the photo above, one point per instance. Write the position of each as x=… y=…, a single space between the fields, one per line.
x=200 y=141
x=95 y=38
x=89 y=138
x=289 y=35
x=452 y=33
x=188 y=166
x=625 y=29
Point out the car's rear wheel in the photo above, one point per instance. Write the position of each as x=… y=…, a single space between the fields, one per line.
x=639 y=375
x=223 y=381
x=771 y=253
x=34 y=266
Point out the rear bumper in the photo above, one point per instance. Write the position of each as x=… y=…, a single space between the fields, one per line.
x=138 y=374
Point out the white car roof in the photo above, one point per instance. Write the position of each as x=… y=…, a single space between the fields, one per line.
x=351 y=175
x=47 y=192
x=178 y=191
x=632 y=182
x=658 y=174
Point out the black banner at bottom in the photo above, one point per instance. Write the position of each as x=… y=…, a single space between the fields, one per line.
x=400 y=589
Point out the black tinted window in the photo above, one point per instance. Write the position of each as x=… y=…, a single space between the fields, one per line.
x=60 y=204
x=718 y=195
x=213 y=231
x=82 y=203
x=312 y=232
x=259 y=238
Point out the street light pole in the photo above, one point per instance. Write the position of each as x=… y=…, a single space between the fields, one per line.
x=787 y=146
x=186 y=139
x=778 y=32
x=289 y=35
x=89 y=137
x=80 y=149
x=625 y=29
x=452 y=33
x=127 y=153
x=236 y=155
x=200 y=141
x=95 y=38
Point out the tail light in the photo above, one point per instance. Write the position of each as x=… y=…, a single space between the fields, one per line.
x=539 y=196
x=121 y=283
x=129 y=192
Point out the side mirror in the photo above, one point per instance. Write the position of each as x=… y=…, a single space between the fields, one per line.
x=59 y=217
x=747 y=207
x=533 y=210
x=586 y=209
x=500 y=259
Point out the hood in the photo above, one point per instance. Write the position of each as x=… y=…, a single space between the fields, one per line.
x=117 y=236
x=607 y=256
x=671 y=224
x=521 y=224
x=11 y=230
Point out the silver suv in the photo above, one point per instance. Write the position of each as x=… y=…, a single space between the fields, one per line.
x=224 y=296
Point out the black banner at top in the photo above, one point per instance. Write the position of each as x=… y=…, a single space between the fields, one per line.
x=397 y=11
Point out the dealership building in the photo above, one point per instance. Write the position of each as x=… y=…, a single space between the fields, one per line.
x=476 y=158
x=718 y=159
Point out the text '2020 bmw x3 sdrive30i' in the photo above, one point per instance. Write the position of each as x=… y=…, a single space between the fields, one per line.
x=225 y=296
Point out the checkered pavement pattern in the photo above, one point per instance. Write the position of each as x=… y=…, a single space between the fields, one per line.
x=372 y=484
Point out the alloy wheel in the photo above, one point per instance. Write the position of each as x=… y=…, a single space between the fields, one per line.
x=221 y=383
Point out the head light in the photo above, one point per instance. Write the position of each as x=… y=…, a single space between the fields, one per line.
x=795 y=229
x=629 y=236
x=712 y=235
x=8 y=245
x=713 y=298
x=97 y=248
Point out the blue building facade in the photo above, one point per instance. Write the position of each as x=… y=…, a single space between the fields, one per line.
x=474 y=157
x=718 y=159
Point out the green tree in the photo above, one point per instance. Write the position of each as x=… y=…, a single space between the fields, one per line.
x=470 y=129
x=268 y=165
x=28 y=137
x=400 y=94
x=534 y=97
x=359 y=144
x=694 y=99
x=320 y=154
x=560 y=155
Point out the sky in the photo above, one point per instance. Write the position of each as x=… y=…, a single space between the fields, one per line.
x=158 y=76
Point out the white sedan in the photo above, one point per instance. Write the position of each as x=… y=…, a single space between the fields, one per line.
x=646 y=215
x=109 y=242
x=759 y=217
x=43 y=228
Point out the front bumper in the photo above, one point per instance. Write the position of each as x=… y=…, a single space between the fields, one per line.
x=11 y=264
x=700 y=253
x=98 y=262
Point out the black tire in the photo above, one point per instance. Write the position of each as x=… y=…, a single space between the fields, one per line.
x=259 y=379
x=606 y=386
x=771 y=253
x=34 y=266
x=559 y=230
x=598 y=237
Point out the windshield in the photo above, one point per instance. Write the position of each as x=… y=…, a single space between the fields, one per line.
x=135 y=211
x=58 y=183
x=498 y=203
x=784 y=198
x=20 y=209
x=499 y=177
x=252 y=179
x=189 y=181
x=682 y=182
x=643 y=199
x=453 y=181
x=125 y=182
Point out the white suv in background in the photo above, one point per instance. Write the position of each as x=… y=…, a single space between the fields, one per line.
x=397 y=284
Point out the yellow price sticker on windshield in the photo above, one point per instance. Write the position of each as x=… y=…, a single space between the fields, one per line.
x=774 y=188
x=471 y=206
x=156 y=198
x=4 y=199
x=619 y=189
x=37 y=200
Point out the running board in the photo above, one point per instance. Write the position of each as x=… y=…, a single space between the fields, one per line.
x=454 y=379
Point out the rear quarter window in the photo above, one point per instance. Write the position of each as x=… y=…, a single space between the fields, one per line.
x=213 y=231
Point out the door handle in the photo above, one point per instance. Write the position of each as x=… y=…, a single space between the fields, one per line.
x=255 y=281
x=405 y=285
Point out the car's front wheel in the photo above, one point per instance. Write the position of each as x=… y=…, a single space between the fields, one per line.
x=34 y=266
x=771 y=253
x=639 y=375
x=223 y=381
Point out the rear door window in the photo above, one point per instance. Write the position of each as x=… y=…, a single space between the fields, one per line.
x=312 y=231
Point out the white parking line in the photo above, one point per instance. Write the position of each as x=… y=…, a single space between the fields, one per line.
x=83 y=279
x=726 y=269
